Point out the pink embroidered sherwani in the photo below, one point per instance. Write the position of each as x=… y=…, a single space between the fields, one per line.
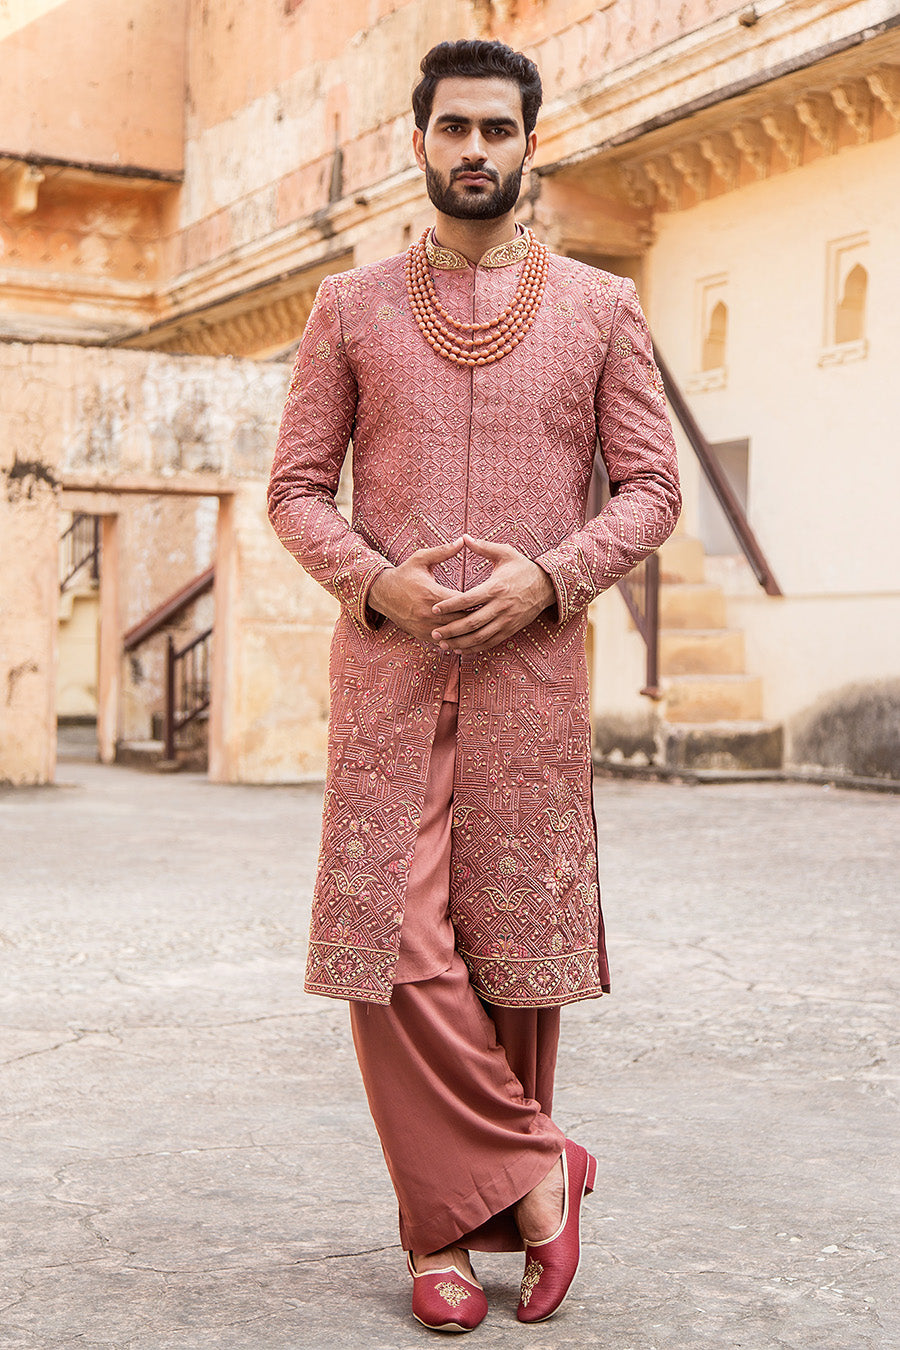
x=505 y=453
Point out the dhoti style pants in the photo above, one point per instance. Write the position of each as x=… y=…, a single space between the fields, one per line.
x=460 y=1091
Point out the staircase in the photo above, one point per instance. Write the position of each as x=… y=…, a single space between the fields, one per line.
x=710 y=715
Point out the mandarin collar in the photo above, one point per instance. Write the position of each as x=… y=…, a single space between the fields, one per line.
x=501 y=255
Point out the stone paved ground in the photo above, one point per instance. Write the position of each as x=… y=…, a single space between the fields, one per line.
x=187 y=1162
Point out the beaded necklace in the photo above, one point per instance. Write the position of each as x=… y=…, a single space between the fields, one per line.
x=488 y=341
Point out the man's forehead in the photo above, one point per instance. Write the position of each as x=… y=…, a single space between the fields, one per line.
x=477 y=99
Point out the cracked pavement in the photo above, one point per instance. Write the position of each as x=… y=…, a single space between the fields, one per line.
x=187 y=1159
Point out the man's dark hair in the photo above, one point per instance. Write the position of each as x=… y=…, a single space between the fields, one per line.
x=474 y=58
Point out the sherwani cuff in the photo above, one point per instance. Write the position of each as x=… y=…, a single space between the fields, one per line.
x=352 y=588
x=367 y=617
x=571 y=580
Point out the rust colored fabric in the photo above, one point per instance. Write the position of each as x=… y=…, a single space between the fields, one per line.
x=427 y=939
x=460 y=1093
x=503 y=452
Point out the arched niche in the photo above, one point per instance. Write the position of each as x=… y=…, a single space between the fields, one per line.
x=712 y=356
x=850 y=312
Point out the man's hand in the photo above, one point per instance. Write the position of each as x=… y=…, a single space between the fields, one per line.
x=515 y=594
x=407 y=594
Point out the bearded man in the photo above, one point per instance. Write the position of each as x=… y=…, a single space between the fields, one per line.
x=456 y=903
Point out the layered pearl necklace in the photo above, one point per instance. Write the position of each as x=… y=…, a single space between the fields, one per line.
x=488 y=341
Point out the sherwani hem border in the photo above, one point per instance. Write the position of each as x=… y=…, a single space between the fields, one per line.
x=383 y=1000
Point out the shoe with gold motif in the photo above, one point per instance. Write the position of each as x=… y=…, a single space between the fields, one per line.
x=552 y=1264
x=446 y=1300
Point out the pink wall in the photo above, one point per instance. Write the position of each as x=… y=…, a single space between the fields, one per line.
x=97 y=81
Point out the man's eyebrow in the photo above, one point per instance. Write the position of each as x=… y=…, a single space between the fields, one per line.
x=462 y=120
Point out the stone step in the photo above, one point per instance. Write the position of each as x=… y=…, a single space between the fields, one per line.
x=151 y=756
x=701 y=651
x=691 y=605
x=724 y=746
x=681 y=558
x=713 y=698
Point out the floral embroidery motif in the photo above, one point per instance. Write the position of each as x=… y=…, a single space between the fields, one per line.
x=323 y=349
x=533 y=1272
x=454 y=1294
x=386 y=313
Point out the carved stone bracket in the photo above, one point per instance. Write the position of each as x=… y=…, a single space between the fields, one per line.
x=721 y=154
x=784 y=127
x=854 y=100
x=819 y=115
x=693 y=168
x=638 y=188
x=885 y=85
x=27 y=180
x=277 y=323
x=753 y=144
x=663 y=175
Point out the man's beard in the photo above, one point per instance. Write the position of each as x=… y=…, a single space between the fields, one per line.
x=465 y=204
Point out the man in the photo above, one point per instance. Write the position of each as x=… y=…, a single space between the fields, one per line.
x=475 y=375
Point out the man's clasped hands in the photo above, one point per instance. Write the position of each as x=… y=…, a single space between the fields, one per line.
x=517 y=591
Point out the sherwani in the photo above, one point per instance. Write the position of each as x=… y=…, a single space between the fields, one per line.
x=503 y=452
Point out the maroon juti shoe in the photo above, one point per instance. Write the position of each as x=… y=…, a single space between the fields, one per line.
x=446 y=1300
x=552 y=1264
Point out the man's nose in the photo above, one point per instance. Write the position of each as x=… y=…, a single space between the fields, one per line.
x=475 y=149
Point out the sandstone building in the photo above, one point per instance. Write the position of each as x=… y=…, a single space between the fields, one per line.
x=176 y=177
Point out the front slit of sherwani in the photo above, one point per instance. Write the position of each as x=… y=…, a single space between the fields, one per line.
x=460 y=1092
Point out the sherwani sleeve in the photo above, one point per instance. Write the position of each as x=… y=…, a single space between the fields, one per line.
x=638 y=450
x=316 y=427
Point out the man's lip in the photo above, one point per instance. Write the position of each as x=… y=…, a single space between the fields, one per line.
x=473 y=178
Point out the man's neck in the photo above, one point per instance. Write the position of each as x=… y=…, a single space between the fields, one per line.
x=473 y=238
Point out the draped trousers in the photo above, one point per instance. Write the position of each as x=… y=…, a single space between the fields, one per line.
x=460 y=1091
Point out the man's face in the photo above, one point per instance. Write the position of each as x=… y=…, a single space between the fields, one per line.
x=474 y=148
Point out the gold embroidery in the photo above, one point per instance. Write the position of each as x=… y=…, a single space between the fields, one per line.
x=501 y=255
x=533 y=1272
x=386 y=313
x=454 y=1294
x=447 y=259
x=323 y=349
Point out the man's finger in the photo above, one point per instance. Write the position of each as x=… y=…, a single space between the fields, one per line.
x=463 y=601
x=490 y=636
x=487 y=549
x=471 y=623
x=440 y=553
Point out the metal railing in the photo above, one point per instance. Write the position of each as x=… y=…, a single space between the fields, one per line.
x=187 y=681
x=640 y=589
x=715 y=475
x=187 y=685
x=169 y=610
x=79 y=547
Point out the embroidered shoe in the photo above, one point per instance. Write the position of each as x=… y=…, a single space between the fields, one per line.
x=552 y=1264
x=446 y=1300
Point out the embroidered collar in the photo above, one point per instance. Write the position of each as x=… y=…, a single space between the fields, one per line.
x=501 y=255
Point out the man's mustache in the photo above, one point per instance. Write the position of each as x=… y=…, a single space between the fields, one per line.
x=492 y=174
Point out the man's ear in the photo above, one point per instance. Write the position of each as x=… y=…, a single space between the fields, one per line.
x=418 y=141
x=531 y=145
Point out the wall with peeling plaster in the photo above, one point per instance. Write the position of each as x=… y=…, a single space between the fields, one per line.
x=68 y=413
